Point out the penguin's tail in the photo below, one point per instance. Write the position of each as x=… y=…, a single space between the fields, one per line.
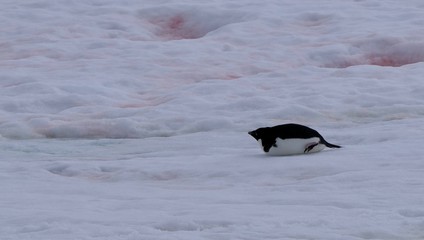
x=330 y=145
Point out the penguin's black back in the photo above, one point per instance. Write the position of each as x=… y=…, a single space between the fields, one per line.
x=292 y=130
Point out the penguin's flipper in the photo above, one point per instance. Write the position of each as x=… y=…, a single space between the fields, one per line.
x=310 y=146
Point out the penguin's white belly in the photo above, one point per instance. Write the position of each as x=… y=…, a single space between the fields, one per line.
x=294 y=146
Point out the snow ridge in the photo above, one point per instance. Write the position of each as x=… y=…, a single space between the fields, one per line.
x=128 y=119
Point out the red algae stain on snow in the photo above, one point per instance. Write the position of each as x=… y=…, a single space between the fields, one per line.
x=385 y=52
x=181 y=30
x=175 y=23
x=178 y=23
x=385 y=62
x=175 y=28
x=390 y=60
x=184 y=22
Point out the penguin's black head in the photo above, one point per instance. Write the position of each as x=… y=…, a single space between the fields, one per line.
x=258 y=133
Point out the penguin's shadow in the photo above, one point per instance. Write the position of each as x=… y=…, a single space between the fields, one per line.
x=265 y=156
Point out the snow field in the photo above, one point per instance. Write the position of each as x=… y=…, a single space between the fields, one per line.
x=129 y=119
x=132 y=71
x=131 y=192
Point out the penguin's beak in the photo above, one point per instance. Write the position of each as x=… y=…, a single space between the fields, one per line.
x=253 y=134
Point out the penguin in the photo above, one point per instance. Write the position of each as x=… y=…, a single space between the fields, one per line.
x=290 y=139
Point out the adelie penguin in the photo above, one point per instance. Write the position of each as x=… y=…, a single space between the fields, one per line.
x=290 y=139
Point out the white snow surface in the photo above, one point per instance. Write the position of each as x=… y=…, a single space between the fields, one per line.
x=129 y=119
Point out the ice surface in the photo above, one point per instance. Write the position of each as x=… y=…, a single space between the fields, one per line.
x=129 y=119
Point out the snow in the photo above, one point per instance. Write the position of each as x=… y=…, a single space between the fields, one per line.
x=129 y=119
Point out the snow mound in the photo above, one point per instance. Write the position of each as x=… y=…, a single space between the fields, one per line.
x=386 y=52
x=179 y=224
x=186 y=22
x=313 y=19
x=394 y=54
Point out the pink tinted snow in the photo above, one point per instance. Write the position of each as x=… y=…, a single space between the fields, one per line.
x=175 y=28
